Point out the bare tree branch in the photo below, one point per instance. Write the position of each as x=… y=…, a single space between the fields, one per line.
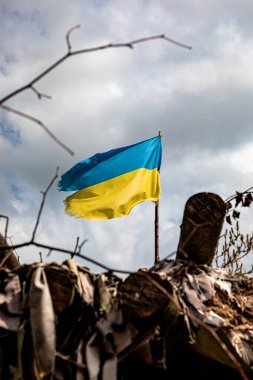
x=39 y=94
x=44 y=194
x=70 y=53
x=78 y=246
x=67 y=251
x=231 y=197
x=159 y=36
x=77 y=241
x=49 y=252
x=81 y=245
x=89 y=50
x=76 y=252
x=68 y=35
x=42 y=125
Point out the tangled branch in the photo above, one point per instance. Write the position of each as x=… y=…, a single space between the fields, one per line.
x=31 y=85
x=32 y=242
x=236 y=245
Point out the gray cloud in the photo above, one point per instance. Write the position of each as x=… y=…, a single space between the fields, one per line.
x=200 y=99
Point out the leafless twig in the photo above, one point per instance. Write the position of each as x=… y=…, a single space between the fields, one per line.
x=78 y=246
x=68 y=35
x=232 y=197
x=236 y=245
x=77 y=241
x=82 y=244
x=44 y=194
x=49 y=252
x=67 y=251
x=76 y=252
x=42 y=125
x=39 y=94
x=68 y=54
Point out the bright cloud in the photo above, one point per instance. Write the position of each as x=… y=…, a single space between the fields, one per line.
x=200 y=99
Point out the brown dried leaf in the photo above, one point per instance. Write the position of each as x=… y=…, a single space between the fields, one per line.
x=236 y=214
x=228 y=205
x=247 y=200
x=238 y=199
x=228 y=219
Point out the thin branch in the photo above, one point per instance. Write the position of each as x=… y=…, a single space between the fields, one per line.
x=49 y=252
x=30 y=85
x=68 y=35
x=42 y=125
x=39 y=94
x=89 y=50
x=161 y=36
x=57 y=249
x=130 y=44
x=63 y=250
x=33 y=81
x=81 y=245
x=77 y=241
x=231 y=197
x=97 y=263
x=166 y=258
x=44 y=194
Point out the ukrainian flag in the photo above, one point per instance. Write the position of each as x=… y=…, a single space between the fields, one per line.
x=110 y=184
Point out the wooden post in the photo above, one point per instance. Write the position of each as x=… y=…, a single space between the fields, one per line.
x=201 y=227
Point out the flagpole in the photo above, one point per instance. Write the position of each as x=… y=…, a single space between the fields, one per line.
x=157 y=258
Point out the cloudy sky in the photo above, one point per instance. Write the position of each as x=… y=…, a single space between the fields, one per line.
x=201 y=100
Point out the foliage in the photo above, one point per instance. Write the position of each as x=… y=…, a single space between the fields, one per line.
x=236 y=245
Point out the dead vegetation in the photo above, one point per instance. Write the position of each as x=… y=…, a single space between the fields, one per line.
x=180 y=317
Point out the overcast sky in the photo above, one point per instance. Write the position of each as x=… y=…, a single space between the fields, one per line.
x=201 y=100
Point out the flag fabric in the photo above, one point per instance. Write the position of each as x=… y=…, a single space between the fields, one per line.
x=110 y=184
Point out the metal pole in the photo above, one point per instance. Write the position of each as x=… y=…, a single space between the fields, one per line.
x=157 y=258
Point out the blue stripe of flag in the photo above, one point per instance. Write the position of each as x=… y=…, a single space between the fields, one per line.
x=104 y=166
